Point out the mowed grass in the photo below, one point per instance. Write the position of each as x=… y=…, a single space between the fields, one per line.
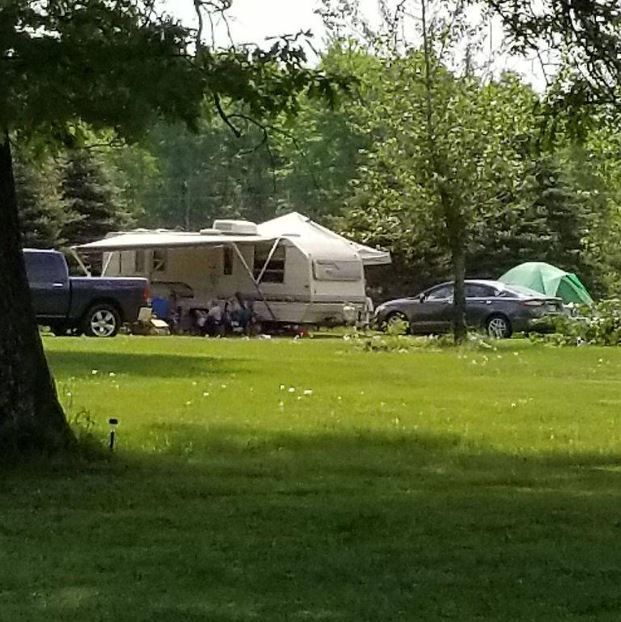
x=306 y=480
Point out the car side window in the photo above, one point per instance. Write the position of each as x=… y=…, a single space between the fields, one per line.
x=440 y=293
x=475 y=290
x=42 y=268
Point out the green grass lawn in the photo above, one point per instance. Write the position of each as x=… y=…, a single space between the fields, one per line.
x=306 y=480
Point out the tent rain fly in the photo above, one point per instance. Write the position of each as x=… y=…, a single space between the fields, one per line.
x=549 y=280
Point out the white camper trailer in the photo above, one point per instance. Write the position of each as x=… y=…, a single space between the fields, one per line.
x=293 y=270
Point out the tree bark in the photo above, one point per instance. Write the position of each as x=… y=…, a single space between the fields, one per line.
x=460 y=330
x=31 y=418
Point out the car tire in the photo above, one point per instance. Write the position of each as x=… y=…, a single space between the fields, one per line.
x=395 y=316
x=498 y=327
x=101 y=321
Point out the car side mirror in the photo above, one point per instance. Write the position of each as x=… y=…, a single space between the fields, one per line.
x=422 y=298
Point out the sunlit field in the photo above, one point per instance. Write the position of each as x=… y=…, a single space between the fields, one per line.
x=308 y=480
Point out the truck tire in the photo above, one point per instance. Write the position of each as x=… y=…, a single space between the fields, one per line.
x=101 y=320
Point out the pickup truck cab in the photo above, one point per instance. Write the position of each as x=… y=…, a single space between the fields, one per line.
x=95 y=306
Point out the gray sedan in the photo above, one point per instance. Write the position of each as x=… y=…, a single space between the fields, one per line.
x=493 y=306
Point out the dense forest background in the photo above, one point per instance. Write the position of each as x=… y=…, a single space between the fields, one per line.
x=360 y=166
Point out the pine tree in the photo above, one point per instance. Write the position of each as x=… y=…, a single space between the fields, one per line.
x=42 y=212
x=91 y=197
x=555 y=201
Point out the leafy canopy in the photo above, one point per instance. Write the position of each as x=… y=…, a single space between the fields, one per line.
x=65 y=64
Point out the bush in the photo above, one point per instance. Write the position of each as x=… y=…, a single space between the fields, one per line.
x=599 y=324
x=396 y=339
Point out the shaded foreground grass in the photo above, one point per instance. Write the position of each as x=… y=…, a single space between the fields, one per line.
x=307 y=481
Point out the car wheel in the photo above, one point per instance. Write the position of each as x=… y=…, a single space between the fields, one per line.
x=498 y=327
x=101 y=320
x=394 y=317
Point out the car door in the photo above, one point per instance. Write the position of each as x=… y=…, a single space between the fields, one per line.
x=479 y=303
x=433 y=313
x=48 y=278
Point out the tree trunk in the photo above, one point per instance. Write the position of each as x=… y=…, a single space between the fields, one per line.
x=31 y=418
x=459 y=294
x=456 y=234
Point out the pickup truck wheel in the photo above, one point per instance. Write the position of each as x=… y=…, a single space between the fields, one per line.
x=101 y=320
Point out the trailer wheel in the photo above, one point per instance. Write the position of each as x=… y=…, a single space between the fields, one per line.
x=101 y=320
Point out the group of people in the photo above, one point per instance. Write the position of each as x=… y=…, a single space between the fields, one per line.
x=234 y=315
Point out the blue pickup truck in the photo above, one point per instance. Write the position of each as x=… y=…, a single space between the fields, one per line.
x=94 y=306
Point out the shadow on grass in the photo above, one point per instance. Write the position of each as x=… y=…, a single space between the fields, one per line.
x=230 y=524
x=141 y=365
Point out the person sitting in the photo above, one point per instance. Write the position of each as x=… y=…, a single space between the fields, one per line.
x=199 y=322
x=214 y=326
x=246 y=315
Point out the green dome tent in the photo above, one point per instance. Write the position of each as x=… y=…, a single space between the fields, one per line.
x=549 y=280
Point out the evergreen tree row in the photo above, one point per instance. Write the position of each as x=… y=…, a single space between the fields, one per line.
x=67 y=200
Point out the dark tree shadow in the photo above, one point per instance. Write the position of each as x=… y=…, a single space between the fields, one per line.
x=229 y=524
x=141 y=365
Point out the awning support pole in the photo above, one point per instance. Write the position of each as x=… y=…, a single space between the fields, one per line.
x=82 y=265
x=254 y=281
x=107 y=264
x=269 y=258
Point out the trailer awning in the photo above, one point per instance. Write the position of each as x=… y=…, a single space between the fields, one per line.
x=310 y=237
x=137 y=240
x=143 y=240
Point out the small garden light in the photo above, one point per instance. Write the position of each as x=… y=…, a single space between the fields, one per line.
x=113 y=423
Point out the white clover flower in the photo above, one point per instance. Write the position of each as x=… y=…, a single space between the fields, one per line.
x=291 y=389
x=94 y=372
x=308 y=392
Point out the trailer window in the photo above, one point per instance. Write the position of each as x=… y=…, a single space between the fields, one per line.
x=160 y=260
x=334 y=270
x=139 y=261
x=275 y=270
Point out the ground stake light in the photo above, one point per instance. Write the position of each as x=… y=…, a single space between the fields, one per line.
x=113 y=423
